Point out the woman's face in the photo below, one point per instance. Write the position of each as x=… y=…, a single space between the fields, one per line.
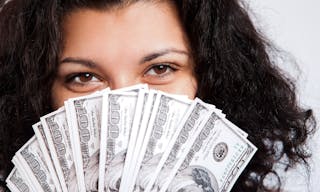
x=140 y=43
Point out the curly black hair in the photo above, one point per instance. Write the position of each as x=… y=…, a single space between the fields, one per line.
x=234 y=71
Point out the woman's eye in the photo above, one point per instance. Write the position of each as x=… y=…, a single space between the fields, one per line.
x=160 y=70
x=82 y=78
x=83 y=82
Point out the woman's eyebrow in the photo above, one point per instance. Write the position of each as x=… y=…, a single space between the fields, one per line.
x=85 y=62
x=160 y=53
x=91 y=64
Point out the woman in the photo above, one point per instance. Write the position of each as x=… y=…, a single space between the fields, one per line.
x=54 y=50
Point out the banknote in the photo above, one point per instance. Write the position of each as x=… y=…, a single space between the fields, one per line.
x=132 y=139
x=167 y=112
x=43 y=144
x=118 y=112
x=17 y=183
x=222 y=116
x=136 y=141
x=213 y=163
x=31 y=159
x=57 y=133
x=196 y=114
x=84 y=122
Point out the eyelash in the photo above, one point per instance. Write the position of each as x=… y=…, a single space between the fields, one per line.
x=71 y=78
x=167 y=66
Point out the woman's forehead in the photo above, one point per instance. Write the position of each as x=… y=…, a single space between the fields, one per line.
x=140 y=27
x=106 y=5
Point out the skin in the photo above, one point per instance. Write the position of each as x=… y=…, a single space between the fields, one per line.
x=140 y=43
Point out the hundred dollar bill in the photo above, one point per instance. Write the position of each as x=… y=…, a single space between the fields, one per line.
x=217 y=157
x=222 y=116
x=136 y=141
x=31 y=159
x=57 y=133
x=84 y=122
x=17 y=183
x=167 y=113
x=118 y=112
x=196 y=114
x=25 y=175
x=43 y=144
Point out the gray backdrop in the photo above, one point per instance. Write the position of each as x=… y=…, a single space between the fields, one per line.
x=294 y=26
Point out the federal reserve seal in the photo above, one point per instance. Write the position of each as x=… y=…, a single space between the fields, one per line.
x=220 y=151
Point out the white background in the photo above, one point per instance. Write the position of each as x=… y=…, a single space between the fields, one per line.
x=294 y=26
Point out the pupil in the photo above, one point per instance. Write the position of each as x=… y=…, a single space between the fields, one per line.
x=160 y=69
x=85 y=77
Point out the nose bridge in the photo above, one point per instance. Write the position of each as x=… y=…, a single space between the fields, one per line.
x=122 y=79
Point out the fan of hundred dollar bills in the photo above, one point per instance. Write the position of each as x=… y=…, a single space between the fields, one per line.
x=132 y=139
